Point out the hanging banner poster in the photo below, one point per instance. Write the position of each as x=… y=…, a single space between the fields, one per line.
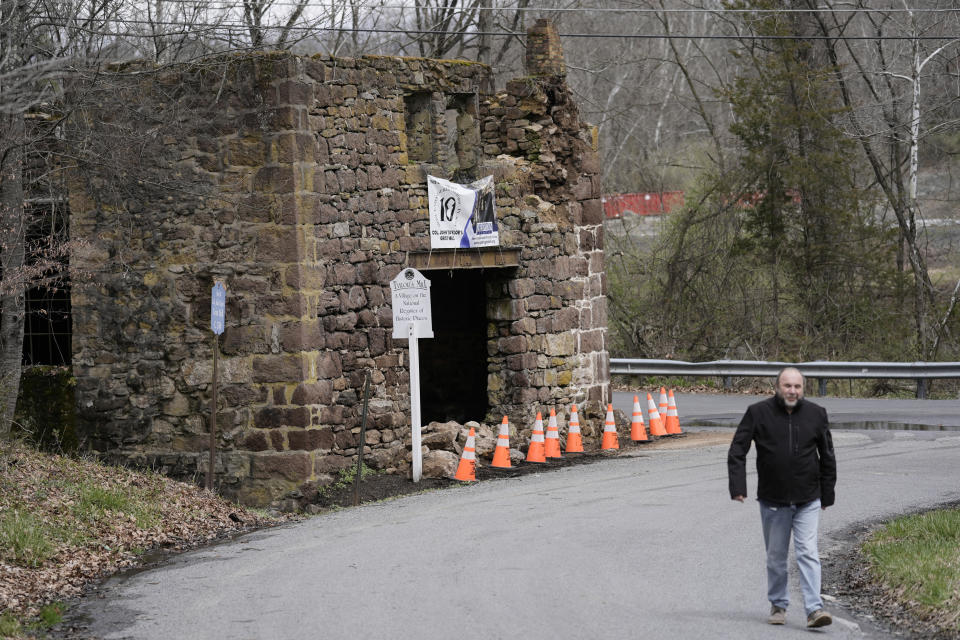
x=462 y=215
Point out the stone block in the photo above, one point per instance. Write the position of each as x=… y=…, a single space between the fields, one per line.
x=522 y=361
x=587 y=238
x=507 y=310
x=274 y=417
x=524 y=395
x=274 y=180
x=332 y=463
x=513 y=344
x=238 y=395
x=440 y=464
x=594 y=286
x=592 y=212
x=245 y=340
x=385 y=458
x=521 y=288
x=179 y=405
x=537 y=303
x=303 y=276
x=255 y=441
x=596 y=262
x=342 y=273
x=246 y=151
x=592 y=340
x=328 y=366
x=569 y=289
x=598 y=317
x=524 y=325
x=345 y=439
x=302 y=336
x=280 y=368
x=566 y=319
x=311 y=439
x=294 y=466
x=295 y=92
x=276 y=244
x=334 y=415
x=562 y=344
x=353 y=299
x=308 y=393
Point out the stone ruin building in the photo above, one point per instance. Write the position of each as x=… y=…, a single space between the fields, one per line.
x=307 y=196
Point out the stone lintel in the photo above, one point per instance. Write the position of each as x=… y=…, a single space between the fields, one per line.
x=464 y=258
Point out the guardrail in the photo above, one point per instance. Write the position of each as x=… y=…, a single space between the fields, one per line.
x=822 y=370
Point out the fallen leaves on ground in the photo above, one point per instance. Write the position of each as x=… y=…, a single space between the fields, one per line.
x=93 y=520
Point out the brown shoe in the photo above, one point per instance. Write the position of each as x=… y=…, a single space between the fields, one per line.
x=778 y=615
x=819 y=618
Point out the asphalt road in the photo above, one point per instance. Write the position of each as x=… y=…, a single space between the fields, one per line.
x=649 y=546
x=727 y=409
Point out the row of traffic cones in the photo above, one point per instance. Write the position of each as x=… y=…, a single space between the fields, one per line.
x=547 y=445
x=542 y=446
x=664 y=421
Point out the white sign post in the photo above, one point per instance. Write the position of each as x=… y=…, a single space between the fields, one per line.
x=218 y=307
x=410 y=296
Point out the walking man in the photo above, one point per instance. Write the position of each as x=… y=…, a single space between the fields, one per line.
x=796 y=471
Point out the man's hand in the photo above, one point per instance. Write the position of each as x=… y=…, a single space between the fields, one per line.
x=739 y=498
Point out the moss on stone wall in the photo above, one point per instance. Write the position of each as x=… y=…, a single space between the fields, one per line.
x=46 y=412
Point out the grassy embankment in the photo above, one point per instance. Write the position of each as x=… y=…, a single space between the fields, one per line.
x=64 y=522
x=916 y=560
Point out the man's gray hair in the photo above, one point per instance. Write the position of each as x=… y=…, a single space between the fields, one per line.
x=791 y=369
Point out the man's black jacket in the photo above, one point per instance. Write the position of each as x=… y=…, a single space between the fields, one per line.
x=795 y=460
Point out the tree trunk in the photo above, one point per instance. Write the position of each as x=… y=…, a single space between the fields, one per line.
x=11 y=267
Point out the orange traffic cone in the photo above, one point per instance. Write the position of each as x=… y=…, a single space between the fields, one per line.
x=574 y=440
x=656 y=425
x=552 y=442
x=662 y=407
x=467 y=469
x=535 y=453
x=673 y=418
x=501 y=455
x=609 y=431
x=637 y=431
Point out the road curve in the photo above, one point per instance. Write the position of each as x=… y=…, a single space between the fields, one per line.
x=647 y=545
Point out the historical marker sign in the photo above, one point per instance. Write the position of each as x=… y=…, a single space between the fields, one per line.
x=410 y=295
x=412 y=319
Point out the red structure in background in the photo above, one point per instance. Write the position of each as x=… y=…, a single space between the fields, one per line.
x=642 y=204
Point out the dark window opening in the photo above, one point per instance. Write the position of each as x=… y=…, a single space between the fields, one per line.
x=453 y=364
x=462 y=143
x=47 y=327
x=419 y=124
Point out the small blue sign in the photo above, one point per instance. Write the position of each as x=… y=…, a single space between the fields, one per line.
x=218 y=306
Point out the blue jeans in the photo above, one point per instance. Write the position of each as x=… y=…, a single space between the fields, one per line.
x=778 y=523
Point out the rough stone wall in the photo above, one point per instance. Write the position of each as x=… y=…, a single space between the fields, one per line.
x=304 y=199
x=555 y=345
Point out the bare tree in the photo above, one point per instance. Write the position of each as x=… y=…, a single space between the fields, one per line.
x=41 y=42
x=881 y=80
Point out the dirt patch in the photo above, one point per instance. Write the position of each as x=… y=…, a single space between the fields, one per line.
x=383 y=486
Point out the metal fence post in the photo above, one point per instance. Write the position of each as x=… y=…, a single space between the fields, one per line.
x=363 y=438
